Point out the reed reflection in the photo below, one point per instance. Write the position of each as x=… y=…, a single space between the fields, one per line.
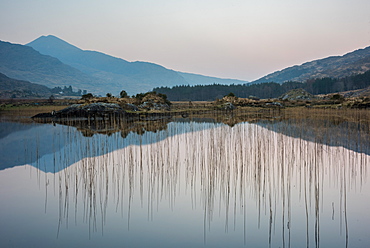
x=247 y=176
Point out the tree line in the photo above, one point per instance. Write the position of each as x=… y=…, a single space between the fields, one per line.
x=264 y=90
x=67 y=91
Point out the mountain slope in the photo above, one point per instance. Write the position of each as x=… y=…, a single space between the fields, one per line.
x=134 y=77
x=24 y=63
x=10 y=87
x=196 y=79
x=349 y=64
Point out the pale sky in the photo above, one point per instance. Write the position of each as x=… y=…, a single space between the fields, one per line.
x=223 y=38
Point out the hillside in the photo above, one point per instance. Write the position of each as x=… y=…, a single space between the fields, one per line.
x=134 y=77
x=269 y=90
x=24 y=63
x=12 y=88
x=353 y=63
x=196 y=79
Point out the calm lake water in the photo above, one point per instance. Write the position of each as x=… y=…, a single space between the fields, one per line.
x=185 y=183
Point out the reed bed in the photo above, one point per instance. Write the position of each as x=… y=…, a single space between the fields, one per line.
x=266 y=174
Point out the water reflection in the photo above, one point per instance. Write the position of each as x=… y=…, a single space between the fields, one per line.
x=208 y=184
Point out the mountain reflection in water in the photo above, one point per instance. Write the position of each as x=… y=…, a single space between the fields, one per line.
x=195 y=184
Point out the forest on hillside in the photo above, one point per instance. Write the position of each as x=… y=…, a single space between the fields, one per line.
x=264 y=90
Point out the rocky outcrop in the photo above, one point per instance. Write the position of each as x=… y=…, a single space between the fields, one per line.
x=129 y=106
x=154 y=106
x=93 y=110
x=275 y=104
x=297 y=94
x=228 y=106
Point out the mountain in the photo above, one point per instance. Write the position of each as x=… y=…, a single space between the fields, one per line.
x=24 y=63
x=134 y=77
x=196 y=79
x=10 y=87
x=352 y=63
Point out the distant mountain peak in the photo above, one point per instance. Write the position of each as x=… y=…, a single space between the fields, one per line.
x=50 y=37
x=52 y=42
x=24 y=63
x=117 y=73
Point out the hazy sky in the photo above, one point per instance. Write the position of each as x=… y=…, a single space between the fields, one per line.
x=224 y=38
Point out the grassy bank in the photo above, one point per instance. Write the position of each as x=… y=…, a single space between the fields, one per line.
x=21 y=110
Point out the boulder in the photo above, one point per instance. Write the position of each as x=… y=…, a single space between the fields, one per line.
x=256 y=98
x=228 y=106
x=149 y=105
x=130 y=106
x=277 y=104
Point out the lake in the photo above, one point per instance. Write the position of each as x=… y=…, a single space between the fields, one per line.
x=186 y=182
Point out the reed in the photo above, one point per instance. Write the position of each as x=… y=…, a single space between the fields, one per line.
x=271 y=173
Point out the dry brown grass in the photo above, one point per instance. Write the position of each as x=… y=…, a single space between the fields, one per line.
x=345 y=114
x=23 y=113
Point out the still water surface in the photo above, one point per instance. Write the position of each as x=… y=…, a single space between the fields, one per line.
x=185 y=184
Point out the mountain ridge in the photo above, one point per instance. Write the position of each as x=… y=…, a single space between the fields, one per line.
x=51 y=61
x=137 y=76
x=355 y=62
x=24 y=63
x=13 y=88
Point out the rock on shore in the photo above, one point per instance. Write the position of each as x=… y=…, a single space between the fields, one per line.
x=94 y=110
